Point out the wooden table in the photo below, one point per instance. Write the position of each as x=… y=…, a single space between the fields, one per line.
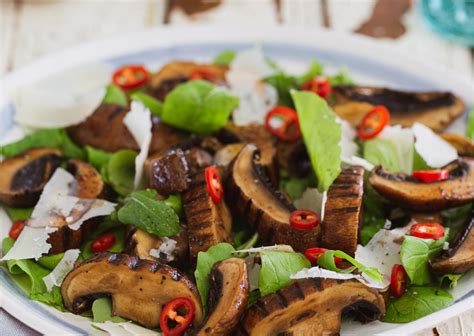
x=33 y=28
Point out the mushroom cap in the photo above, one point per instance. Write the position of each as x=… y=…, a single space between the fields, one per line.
x=463 y=145
x=312 y=307
x=227 y=297
x=23 y=177
x=407 y=192
x=138 y=288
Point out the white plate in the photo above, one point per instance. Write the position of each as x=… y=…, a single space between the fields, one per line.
x=367 y=62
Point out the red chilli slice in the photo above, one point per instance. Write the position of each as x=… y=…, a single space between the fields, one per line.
x=314 y=253
x=176 y=316
x=16 y=229
x=431 y=175
x=130 y=77
x=427 y=230
x=373 y=123
x=319 y=85
x=303 y=219
x=398 y=280
x=103 y=243
x=214 y=185
x=282 y=122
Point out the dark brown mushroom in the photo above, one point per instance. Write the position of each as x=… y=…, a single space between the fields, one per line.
x=294 y=158
x=312 y=307
x=138 y=288
x=227 y=297
x=343 y=210
x=436 y=110
x=208 y=223
x=459 y=258
x=89 y=186
x=23 y=177
x=408 y=192
x=105 y=129
x=463 y=145
x=139 y=243
x=252 y=197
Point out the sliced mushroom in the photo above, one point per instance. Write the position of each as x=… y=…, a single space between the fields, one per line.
x=407 y=192
x=436 y=110
x=227 y=297
x=138 y=288
x=459 y=258
x=105 y=129
x=89 y=186
x=294 y=158
x=23 y=176
x=252 y=197
x=139 y=243
x=312 y=307
x=225 y=155
x=175 y=73
x=463 y=145
x=343 y=210
x=208 y=223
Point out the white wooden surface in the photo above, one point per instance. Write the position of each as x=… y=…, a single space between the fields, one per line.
x=30 y=29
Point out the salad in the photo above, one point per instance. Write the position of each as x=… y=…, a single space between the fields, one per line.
x=237 y=198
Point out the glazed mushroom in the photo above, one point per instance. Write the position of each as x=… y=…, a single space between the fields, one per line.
x=227 y=297
x=463 y=145
x=227 y=154
x=343 y=210
x=139 y=243
x=104 y=129
x=252 y=197
x=138 y=288
x=23 y=176
x=89 y=186
x=407 y=192
x=436 y=110
x=460 y=257
x=312 y=307
x=208 y=223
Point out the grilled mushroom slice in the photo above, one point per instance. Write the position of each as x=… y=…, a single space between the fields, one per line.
x=460 y=257
x=463 y=145
x=407 y=192
x=90 y=186
x=436 y=110
x=138 y=288
x=139 y=243
x=105 y=129
x=227 y=297
x=312 y=307
x=208 y=223
x=342 y=213
x=226 y=154
x=252 y=197
x=23 y=176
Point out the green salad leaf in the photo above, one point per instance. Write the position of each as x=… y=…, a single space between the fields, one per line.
x=451 y=279
x=117 y=247
x=373 y=215
x=277 y=266
x=416 y=303
x=315 y=69
x=120 y=171
x=327 y=261
x=224 y=58
x=371 y=226
x=97 y=157
x=205 y=262
x=102 y=311
x=341 y=78
x=176 y=203
x=455 y=218
x=115 y=95
x=142 y=209
x=153 y=104
x=419 y=163
x=18 y=213
x=470 y=125
x=415 y=253
x=295 y=186
x=321 y=135
x=207 y=105
x=53 y=137
x=50 y=261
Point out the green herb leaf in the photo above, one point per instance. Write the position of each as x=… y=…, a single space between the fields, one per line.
x=97 y=157
x=143 y=210
x=321 y=134
x=224 y=58
x=314 y=70
x=18 y=213
x=153 y=104
x=52 y=298
x=416 y=303
x=121 y=171
x=370 y=227
x=117 y=247
x=51 y=261
x=115 y=95
x=341 y=78
x=53 y=138
x=205 y=262
x=415 y=254
x=419 y=163
x=295 y=187
x=470 y=125
x=277 y=266
x=207 y=105
x=175 y=202
x=102 y=311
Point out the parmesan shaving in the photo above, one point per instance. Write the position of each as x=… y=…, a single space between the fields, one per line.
x=31 y=243
x=138 y=122
x=56 y=277
x=166 y=249
x=125 y=329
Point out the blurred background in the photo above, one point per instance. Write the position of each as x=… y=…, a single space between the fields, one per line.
x=32 y=28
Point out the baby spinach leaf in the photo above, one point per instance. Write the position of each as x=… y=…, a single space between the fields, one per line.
x=153 y=104
x=97 y=157
x=321 y=135
x=18 y=213
x=142 y=209
x=50 y=261
x=277 y=266
x=102 y=311
x=205 y=262
x=416 y=303
x=115 y=95
x=470 y=125
x=120 y=171
x=224 y=58
x=205 y=104
x=451 y=279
